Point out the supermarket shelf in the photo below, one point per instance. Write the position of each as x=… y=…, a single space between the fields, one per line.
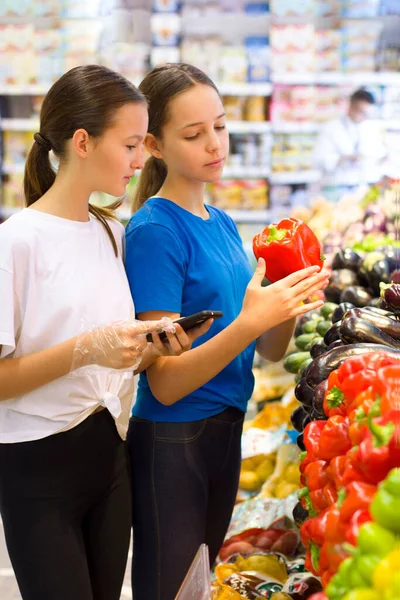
x=294 y=127
x=245 y=89
x=240 y=216
x=295 y=178
x=12 y=169
x=252 y=216
x=226 y=89
x=249 y=126
x=19 y=124
x=246 y=172
x=392 y=124
x=337 y=78
x=15 y=89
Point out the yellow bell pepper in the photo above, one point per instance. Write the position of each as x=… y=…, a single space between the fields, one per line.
x=386 y=570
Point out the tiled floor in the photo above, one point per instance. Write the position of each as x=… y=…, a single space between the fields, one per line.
x=8 y=586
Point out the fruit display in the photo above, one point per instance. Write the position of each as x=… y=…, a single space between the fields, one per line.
x=350 y=474
x=363 y=220
x=264 y=576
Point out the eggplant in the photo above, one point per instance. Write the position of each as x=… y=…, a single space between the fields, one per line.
x=332 y=334
x=374 y=269
x=300 y=514
x=304 y=393
x=319 y=347
x=356 y=330
x=339 y=281
x=340 y=311
x=316 y=416
x=322 y=366
x=389 y=326
x=391 y=296
x=347 y=259
x=300 y=442
x=336 y=344
x=319 y=395
x=297 y=418
x=357 y=295
x=395 y=276
x=374 y=303
x=392 y=254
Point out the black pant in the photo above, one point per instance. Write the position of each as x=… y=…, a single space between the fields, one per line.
x=66 y=507
x=185 y=480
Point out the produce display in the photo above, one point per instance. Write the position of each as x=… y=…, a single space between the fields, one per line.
x=351 y=480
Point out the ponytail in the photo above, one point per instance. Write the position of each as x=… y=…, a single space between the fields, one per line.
x=39 y=175
x=150 y=181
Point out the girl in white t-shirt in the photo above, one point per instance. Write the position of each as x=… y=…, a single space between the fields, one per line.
x=69 y=345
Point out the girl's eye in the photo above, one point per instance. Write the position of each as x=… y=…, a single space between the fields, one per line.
x=220 y=127
x=131 y=147
x=193 y=137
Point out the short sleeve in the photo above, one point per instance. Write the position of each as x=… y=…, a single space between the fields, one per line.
x=8 y=313
x=156 y=267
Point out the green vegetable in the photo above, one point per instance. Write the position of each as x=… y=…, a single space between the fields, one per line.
x=311 y=325
x=385 y=507
x=292 y=362
x=304 y=365
x=304 y=339
x=327 y=309
x=323 y=326
x=376 y=540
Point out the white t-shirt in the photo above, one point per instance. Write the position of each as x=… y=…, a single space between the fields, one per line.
x=58 y=278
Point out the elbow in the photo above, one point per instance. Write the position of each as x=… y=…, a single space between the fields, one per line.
x=274 y=356
x=162 y=395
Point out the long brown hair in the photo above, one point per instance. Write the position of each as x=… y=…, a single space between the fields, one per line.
x=159 y=87
x=85 y=97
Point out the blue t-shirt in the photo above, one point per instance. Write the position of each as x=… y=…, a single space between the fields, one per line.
x=178 y=262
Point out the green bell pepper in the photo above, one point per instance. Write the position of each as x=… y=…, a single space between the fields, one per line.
x=385 y=507
x=375 y=540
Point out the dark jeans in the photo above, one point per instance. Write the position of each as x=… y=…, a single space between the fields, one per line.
x=185 y=480
x=65 y=501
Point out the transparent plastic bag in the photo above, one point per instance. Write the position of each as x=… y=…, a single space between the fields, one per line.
x=116 y=346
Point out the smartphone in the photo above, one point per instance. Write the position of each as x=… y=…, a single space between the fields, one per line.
x=190 y=322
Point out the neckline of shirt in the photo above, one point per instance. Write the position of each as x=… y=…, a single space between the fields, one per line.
x=61 y=221
x=187 y=212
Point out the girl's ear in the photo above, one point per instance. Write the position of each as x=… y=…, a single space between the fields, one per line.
x=152 y=146
x=80 y=142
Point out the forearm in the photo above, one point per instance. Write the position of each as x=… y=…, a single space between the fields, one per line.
x=149 y=356
x=173 y=378
x=23 y=375
x=273 y=344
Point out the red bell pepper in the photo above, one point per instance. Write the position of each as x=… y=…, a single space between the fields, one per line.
x=334 y=439
x=287 y=247
x=359 y=496
x=357 y=382
x=372 y=361
x=359 y=518
x=334 y=534
x=311 y=436
x=316 y=474
x=374 y=454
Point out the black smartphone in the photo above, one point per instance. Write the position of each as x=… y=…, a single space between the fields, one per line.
x=190 y=322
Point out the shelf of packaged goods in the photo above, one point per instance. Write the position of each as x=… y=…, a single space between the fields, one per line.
x=249 y=127
x=295 y=127
x=28 y=89
x=294 y=178
x=17 y=169
x=240 y=216
x=337 y=78
x=245 y=89
x=246 y=172
x=19 y=124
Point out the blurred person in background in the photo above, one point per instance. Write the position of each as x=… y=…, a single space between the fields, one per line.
x=351 y=150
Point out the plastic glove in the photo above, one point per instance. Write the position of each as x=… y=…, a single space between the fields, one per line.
x=116 y=346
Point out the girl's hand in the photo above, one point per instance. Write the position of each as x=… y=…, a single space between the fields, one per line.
x=180 y=341
x=117 y=346
x=266 y=307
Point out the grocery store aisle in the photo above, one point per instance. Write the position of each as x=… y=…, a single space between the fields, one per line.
x=8 y=585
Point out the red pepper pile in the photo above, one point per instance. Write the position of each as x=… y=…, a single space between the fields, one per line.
x=347 y=455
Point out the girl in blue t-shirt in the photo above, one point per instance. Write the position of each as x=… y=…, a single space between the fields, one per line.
x=182 y=257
